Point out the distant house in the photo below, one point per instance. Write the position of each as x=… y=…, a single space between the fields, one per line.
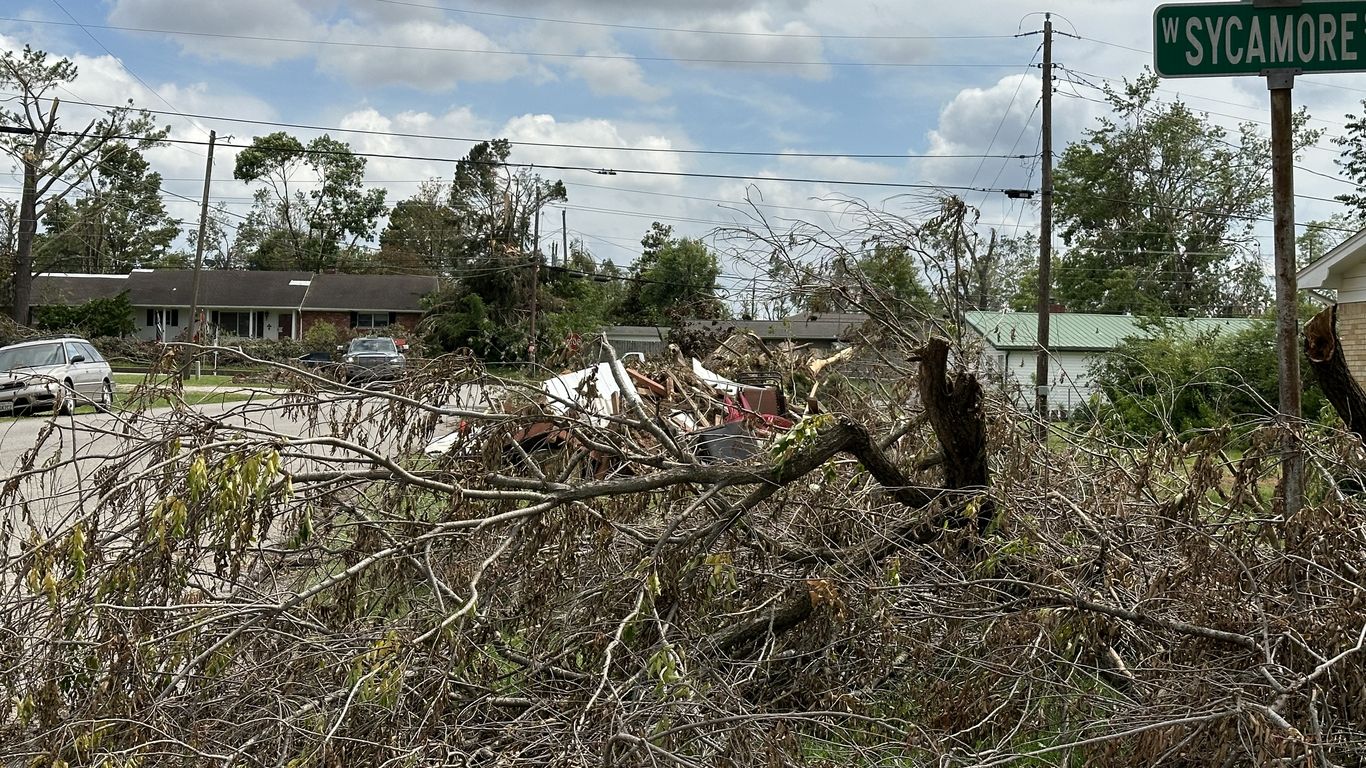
x=1343 y=270
x=365 y=302
x=822 y=331
x=1076 y=341
x=247 y=304
x=235 y=304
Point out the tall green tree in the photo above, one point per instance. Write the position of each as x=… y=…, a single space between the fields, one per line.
x=883 y=280
x=1321 y=236
x=1157 y=205
x=55 y=161
x=496 y=208
x=316 y=206
x=674 y=278
x=580 y=296
x=119 y=223
x=482 y=238
x=423 y=230
x=1352 y=160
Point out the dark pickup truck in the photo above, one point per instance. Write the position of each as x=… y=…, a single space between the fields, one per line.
x=372 y=358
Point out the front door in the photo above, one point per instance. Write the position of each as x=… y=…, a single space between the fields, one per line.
x=286 y=325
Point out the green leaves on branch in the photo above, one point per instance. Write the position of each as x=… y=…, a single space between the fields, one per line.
x=314 y=208
x=1157 y=207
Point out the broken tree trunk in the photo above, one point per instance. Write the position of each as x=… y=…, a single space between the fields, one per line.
x=954 y=409
x=1324 y=350
x=953 y=405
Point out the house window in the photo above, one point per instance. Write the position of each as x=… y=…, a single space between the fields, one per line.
x=240 y=324
x=167 y=318
x=371 y=319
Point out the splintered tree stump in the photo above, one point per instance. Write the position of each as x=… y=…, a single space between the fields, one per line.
x=953 y=405
x=1324 y=350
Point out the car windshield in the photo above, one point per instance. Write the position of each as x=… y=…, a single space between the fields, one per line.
x=28 y=357
x=374 y=345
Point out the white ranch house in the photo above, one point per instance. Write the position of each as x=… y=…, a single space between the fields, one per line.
x=1010 y=339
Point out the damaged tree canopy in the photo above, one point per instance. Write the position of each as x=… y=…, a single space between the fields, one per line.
x=886 y=579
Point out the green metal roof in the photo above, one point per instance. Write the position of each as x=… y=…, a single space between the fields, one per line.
x=1075 y=331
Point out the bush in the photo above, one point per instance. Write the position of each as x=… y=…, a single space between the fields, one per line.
x=322 y=337
x=97 y=317
x=276 y=351
x=1176 y=381
x=128 y=349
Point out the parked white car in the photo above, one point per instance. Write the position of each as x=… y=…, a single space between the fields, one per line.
x=54 y=373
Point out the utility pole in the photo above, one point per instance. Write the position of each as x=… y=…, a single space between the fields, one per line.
x=199 y=246
x=1045 y=231
x=564 y=235
x=535 y=285
x=1280 y=84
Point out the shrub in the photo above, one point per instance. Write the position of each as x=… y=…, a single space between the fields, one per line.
x=322 y=337
x=1178 y=381
x=97 y=317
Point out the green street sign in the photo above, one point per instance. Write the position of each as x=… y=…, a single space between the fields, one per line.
x=1215 y=39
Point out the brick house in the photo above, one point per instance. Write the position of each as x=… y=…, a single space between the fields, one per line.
x=1343 y=270
x=365 y=302
x=248 y=304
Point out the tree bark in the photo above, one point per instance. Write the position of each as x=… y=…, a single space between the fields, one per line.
x=953 y=405
x=1324 y=350
x=23 y=250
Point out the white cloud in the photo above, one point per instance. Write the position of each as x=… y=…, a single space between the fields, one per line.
x=453 y=53
x=400 y=175
x=542 y=128
x=998 y=120
x=615 y=77
x=247 y=18
x=762 y=41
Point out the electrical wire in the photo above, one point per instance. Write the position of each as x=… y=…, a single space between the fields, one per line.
x=529 y=54
x=563 y=145
x=691 y=31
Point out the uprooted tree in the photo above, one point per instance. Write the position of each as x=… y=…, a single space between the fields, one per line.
x=904 y=577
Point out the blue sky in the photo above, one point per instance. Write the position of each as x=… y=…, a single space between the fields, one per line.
x=923 y=81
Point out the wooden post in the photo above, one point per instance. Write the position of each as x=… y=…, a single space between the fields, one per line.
x=199 y=244
x=1045 y=232
x=1280 y=84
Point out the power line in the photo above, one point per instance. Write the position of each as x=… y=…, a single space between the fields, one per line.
x=560 y=145
x=530 y=54
x=123 y=66
x=601 y=171
x=691 y=31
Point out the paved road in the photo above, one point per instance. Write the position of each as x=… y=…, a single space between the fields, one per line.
x=76 y=448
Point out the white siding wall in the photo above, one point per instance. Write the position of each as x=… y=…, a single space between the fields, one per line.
x=1069 y=374
x=142 y=330
x=160 y=314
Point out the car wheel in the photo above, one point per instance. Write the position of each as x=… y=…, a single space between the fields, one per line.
x=66 y=399
x=106 y=401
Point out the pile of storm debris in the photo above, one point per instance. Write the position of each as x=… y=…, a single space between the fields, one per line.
x=719 y=409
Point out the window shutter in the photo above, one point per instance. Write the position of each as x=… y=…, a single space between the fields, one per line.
x=175 y=318
x=213 y=317
x=393 y=318
x=151 y=318
x=355 y=318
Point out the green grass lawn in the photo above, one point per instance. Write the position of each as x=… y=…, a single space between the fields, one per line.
x=206 y=380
